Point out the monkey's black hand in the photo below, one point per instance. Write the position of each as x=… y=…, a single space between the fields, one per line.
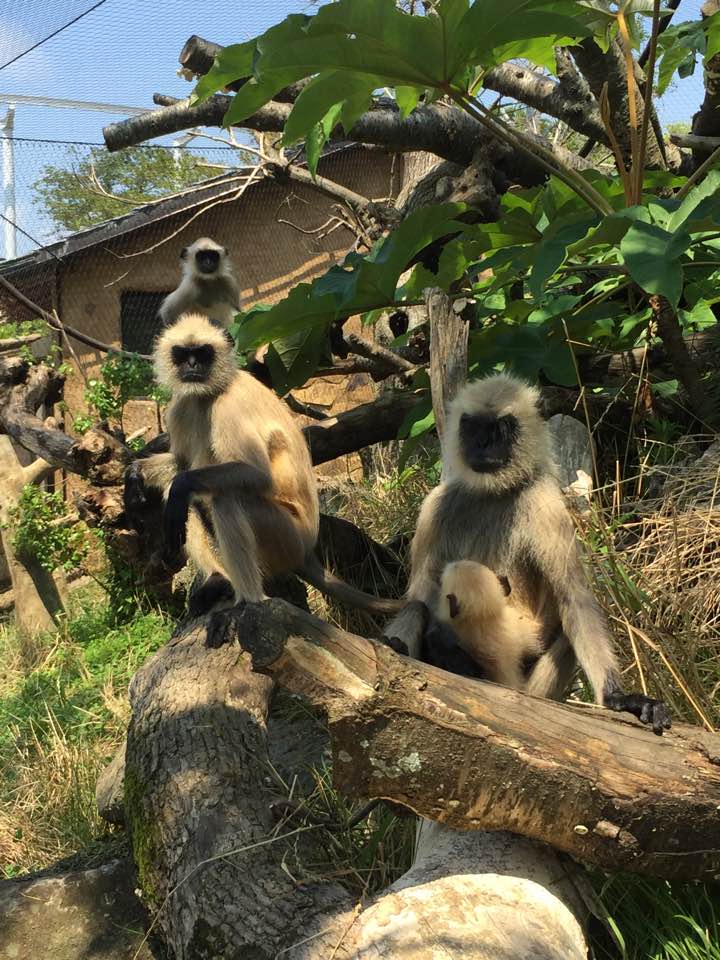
x=396 y=644
x=216 y=589
x=442 y=649
x=646 y=709
x=176 y=514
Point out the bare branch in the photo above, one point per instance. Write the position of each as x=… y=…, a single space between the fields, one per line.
x=544 y=94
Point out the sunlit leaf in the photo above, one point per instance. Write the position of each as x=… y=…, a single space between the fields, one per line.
x=652 y=257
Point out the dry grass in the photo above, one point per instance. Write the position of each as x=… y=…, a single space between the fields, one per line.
x=657 y=572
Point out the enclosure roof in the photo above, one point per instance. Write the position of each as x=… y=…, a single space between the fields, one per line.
x=140 y=217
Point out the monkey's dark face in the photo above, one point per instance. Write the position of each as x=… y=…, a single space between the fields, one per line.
x=487 y=441
x=207 y=261
x=193 y=364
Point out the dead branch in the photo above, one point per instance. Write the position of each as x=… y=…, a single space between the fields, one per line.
x=96 y=455
x=449 y=332
x=387 y=363
x=198 y=56
x=360 y=427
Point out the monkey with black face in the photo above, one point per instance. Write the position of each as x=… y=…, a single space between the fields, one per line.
x=244 y=502
x=208 y=284
x=499 y=504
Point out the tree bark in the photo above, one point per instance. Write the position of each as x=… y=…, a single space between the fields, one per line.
x=212 y=864
x=599 y=787
x=449 y=332
x=670 y=333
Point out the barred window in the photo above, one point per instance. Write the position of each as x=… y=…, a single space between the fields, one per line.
x=139 y=320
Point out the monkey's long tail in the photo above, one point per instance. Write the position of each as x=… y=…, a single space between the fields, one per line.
x=317 y=576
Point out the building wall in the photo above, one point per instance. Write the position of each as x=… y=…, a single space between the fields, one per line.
x=271 y=231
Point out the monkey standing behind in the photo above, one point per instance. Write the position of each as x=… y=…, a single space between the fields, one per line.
x=499 y=504
x=207 y=285
x=499 y=638
x=244 y=468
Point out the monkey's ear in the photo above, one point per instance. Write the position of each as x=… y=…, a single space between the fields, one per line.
x=225 y=251
x=453 y=605
x=184 y=253
x=505 y=584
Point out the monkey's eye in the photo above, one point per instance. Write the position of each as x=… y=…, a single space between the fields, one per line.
x=180 y=355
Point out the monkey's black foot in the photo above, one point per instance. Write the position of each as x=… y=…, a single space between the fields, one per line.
x=216 y=589
x=647 y=710
x=135 y=492
x=396 y=644
x=223 y=626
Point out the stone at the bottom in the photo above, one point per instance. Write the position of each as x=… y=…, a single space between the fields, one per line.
x=92 y=913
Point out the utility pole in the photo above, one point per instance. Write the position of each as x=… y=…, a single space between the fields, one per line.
x=7 y=126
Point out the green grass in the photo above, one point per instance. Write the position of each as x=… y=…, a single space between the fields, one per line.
x=656 y=920
x=63 y=712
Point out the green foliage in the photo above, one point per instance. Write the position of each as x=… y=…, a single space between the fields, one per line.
x=657 y=920
x=351 y=49
x=63 y=713
x=41 y=534
x=121 y=379
x=76 y=197
x=10 y=330
x=680 y=46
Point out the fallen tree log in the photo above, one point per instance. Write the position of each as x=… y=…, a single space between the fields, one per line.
x=223 y=880
x=593 y=784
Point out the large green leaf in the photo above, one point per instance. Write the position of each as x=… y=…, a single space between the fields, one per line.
x=232 y=63
x=293 y=360
x=700 y=209
x=357 y=286
x=322 y=93
x=301 y=308
x=652 y=257
x=551 y=252
x=489 y=24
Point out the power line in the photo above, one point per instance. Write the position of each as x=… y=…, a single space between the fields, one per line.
x=53 y=34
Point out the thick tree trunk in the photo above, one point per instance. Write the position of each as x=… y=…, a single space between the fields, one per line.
x=198 y=791
x=225 y=881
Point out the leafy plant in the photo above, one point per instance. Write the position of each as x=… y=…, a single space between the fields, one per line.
x=121 y=378
x=42 y=532
x=584 y=261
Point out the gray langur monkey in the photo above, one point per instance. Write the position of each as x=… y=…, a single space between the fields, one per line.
x=207 y=285
x=238 y=482
x=499 y=504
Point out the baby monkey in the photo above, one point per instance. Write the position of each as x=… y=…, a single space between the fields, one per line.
x=502 y=641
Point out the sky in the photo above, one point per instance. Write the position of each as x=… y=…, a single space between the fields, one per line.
x=122 y=52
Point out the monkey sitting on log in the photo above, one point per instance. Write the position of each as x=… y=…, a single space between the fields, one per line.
x=238 y=481
x=500 y=504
